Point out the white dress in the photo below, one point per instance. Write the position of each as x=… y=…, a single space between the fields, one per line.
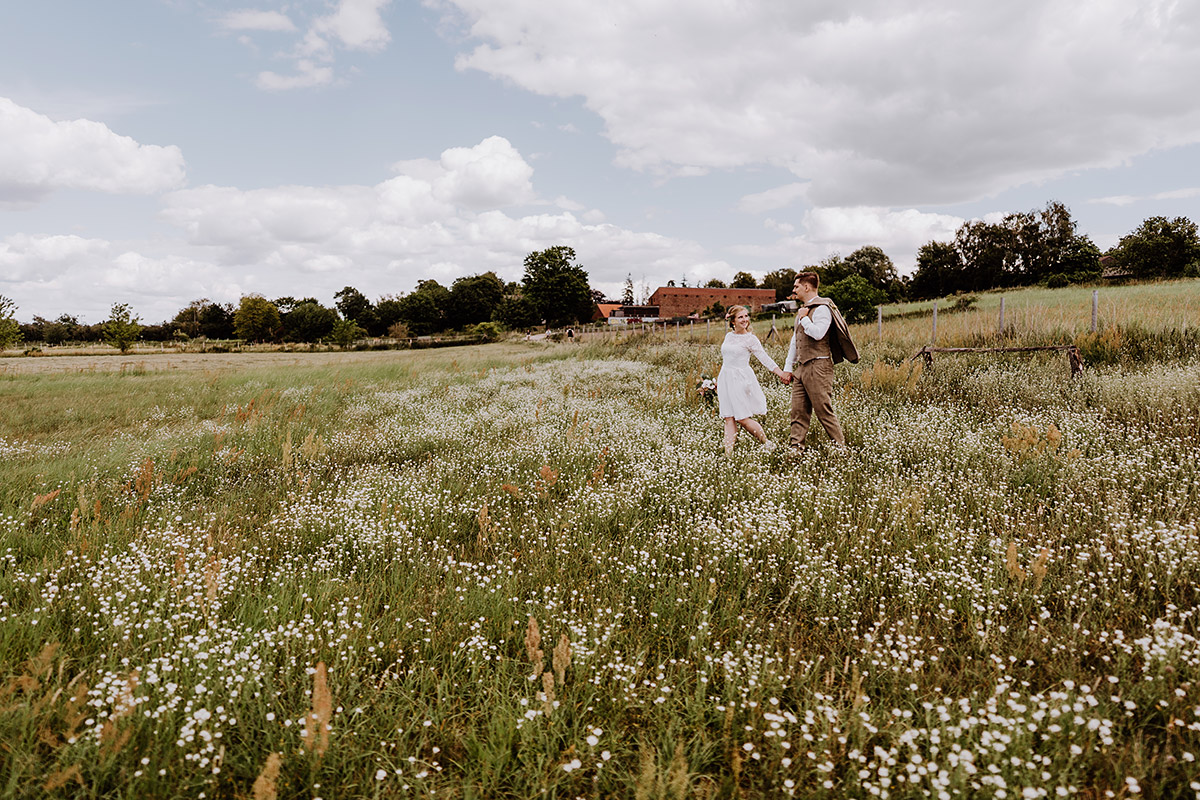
x=738 y=393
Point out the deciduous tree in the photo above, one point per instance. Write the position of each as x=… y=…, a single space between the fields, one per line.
x=257 y=319
x=557 y=286
x=121 y=329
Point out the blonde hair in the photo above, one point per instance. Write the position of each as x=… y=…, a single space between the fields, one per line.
x=733 y=312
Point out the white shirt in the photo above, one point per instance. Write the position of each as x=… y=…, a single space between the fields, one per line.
x=815 y=325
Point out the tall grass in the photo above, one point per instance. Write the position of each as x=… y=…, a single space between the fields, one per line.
x=505 y=573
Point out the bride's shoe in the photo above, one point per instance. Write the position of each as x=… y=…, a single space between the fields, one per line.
x=768 y=446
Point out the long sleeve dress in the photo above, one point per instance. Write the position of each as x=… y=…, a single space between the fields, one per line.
x=738 y=393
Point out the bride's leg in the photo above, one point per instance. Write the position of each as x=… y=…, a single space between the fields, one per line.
x=730 y=435
x=751 y=424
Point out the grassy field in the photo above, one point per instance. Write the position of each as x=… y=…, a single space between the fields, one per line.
x=527 y=570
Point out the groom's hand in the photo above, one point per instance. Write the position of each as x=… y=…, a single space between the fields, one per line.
x=785 y=378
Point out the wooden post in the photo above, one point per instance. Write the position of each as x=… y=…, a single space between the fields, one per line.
x=934 y=340
x=1001 y=315
x=879 y=322
x=1095 y=307
x=692 y=330
x=707 y=330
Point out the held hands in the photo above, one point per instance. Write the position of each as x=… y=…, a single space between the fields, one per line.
x=784 y=377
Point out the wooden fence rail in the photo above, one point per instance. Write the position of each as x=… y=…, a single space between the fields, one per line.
x=1073 y=356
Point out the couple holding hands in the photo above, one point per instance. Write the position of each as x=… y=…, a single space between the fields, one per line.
x=820 y=339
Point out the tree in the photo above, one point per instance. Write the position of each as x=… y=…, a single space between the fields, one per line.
x=715 y=283
x=744 y=280
x=61 y=330
x=121 y=329
x=354 y=305
x=10 y=330
x=557 y=286
x=216 y=321
x=516 y=312
x=387 y=311
x=473 y=299
x=939 y=270
x=424 y=311
x=346 y=332
x=627 y=291
x=308 y=321
x=856 y=298
x=257 y=319
x=1160 y=248
x=783 y=281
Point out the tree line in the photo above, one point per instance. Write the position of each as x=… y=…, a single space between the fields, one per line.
x=1022 y=249
x=554 y=291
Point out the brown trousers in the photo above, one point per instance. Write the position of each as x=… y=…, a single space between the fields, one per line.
x=812 y=384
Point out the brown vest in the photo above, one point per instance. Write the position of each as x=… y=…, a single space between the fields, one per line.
x=808 y=348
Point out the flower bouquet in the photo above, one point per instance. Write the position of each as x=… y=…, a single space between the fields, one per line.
x=706 y=389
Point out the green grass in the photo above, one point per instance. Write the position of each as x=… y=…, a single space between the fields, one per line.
x=998 y=585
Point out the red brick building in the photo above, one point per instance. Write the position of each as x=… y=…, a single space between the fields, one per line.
x=677 y=301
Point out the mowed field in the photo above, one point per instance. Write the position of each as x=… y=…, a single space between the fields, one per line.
x=527 y=570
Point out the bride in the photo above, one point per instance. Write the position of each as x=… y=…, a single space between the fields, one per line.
x=738 y=394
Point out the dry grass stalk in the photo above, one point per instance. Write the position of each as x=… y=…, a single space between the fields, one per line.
x=62 y=777
x=646 y=786
x=1014 y=566
x=312 y=447
x=515 y=491
x=548 y=693
x=316 y=724
x=677 y=775
x=287 y=457
x=1039 y=568
x=533 y=645
x=266 y=782
x=561 y=659
x=486 y=526
x=598 y=474
x=40 y=500
x=212 y=581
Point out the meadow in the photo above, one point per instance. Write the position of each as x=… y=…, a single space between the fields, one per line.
x=527 y=570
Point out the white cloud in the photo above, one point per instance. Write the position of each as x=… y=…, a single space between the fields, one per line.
x=41 y=258
x=307 y=75
x=772 y=199
x=357 y=24
x=40 y=155
x=906 y=103
x=253 y=20
x=1128 y=199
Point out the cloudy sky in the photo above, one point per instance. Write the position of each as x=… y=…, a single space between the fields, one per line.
x=153 y=152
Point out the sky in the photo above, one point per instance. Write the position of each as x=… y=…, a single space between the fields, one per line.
x=155 y=152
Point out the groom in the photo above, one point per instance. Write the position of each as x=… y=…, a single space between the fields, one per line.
x=810 y=358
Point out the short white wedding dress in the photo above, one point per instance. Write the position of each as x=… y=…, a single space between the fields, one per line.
x=738 y=393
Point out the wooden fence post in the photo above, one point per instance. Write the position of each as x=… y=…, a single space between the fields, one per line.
x=934 y=340
x=1001 y=315
x=879 y=322
x=1095 y=307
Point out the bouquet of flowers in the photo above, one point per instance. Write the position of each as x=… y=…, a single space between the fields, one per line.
x=706 y=389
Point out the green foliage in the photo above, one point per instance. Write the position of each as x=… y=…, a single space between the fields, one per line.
x=783 y=281
x=1160 y=248
x=10 y=330
x=257 y=319
x=474 y=299
x=516 y=312
x=487 y=331
x=424 y=311
x=346 y=332
x=121 y=329
x=627 y=291
x=355 y=306
x=715 y=283
x=308 y=322
x=856 y=298
x=557 y=286
x=744 y=280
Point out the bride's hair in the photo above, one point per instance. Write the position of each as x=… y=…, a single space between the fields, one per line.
x=733 y=312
